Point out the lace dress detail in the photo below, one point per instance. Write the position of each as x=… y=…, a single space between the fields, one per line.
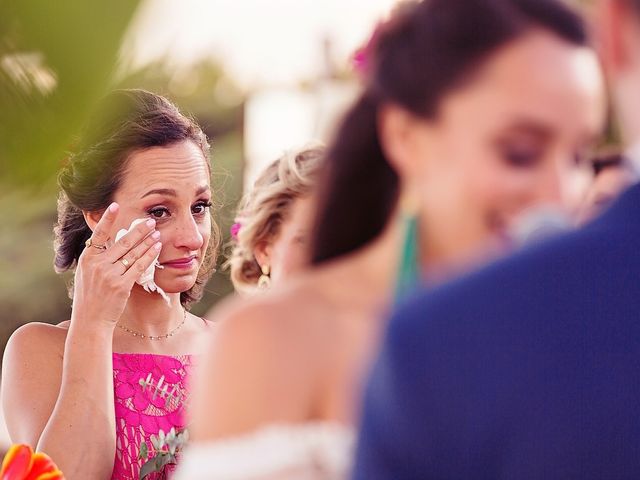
x=150 y=395
x=310 y=451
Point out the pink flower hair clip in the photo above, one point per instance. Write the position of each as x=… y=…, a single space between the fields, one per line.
x=361 y=59
x=235 y=230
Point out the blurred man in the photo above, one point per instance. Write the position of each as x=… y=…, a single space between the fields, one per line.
x=531 y=367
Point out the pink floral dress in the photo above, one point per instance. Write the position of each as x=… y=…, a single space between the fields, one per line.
x=150 y=395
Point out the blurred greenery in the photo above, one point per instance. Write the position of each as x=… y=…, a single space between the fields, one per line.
x=57 y=59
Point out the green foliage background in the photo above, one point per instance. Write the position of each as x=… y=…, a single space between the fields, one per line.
x=75 y=46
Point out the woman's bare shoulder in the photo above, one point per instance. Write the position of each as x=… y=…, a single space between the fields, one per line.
x=292 y=326
x=31 y=376
x=38 y=338
x=261 y=364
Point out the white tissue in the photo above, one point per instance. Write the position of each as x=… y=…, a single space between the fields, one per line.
x=146 y=279
x=537 y=224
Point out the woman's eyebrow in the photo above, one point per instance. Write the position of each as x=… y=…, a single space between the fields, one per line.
x=172 y=193
x=161 y=191
x=531 y=128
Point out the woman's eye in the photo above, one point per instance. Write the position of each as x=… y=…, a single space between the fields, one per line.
x=158 y=212
x=522 y=157
x=200 y=208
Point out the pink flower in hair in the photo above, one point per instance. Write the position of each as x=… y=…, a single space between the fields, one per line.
x=361 y=59
x=235 y=229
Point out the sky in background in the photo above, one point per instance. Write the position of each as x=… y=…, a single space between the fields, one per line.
x=260 y=42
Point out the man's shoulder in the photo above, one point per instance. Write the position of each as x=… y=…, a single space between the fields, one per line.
x=535 y=278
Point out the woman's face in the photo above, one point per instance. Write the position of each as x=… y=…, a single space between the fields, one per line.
x=506 y=141
x=288 y=252
x=171 y=185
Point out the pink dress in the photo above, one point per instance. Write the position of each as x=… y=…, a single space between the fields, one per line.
x=150 y=395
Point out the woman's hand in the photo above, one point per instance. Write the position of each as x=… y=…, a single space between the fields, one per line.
x=105 y=275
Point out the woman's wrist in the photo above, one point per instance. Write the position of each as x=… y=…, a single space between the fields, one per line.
x=92 y=321
x=87 y=351
x=90 y=332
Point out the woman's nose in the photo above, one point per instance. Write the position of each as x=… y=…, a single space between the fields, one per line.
x=187 y=234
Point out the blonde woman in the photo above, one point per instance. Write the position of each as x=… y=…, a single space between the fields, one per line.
x=271 y=232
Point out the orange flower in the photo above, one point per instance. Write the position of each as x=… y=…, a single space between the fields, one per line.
x=20 y=463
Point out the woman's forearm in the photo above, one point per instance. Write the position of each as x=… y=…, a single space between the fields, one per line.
x=80 y=434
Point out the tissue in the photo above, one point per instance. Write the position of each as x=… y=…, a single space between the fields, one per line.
x=146 y=279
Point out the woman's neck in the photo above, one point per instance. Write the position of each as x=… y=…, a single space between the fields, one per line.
x=149 y=314
x=370 y=272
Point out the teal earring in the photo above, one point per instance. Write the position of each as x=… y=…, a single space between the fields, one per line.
x=409 y=267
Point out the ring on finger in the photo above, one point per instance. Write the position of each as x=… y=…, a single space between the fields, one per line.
x=125 y=262
x=89 y=243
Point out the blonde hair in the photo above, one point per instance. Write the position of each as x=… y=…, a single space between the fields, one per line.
x=266 y=206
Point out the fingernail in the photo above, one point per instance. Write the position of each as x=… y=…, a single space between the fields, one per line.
x=155 y=235
x=151 y=223
x=158 y=246
x=113 y=208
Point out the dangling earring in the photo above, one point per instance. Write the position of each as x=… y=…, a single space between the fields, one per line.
x=264 y=282
x=409 y=266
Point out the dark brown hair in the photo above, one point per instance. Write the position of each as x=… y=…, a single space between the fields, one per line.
x=126 y=121
x=422 y=53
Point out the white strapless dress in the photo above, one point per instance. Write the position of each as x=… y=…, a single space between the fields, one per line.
x=310 y=451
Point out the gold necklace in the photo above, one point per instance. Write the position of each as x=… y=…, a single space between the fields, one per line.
x=155 y=337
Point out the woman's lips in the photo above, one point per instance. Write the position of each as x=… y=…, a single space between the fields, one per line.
x=183 y=263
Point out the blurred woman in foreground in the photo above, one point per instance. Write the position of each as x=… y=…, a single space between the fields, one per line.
x=473 y=112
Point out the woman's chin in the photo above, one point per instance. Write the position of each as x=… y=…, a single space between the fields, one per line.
x=177 y=285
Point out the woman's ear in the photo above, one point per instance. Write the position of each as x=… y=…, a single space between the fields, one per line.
x=262 y=252
x=402 y=135
x=92 y=218
x=615 y=24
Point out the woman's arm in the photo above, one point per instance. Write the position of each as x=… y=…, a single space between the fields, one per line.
x=80 y=434
x=31 y=374
x=75 y=421
x=64 y=407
